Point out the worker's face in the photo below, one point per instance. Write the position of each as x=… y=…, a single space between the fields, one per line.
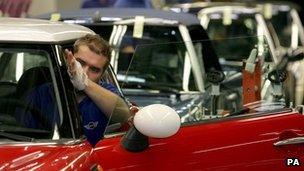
x=92 y=63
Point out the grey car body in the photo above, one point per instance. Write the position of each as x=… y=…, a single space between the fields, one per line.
x=287 y=33
x=282 y=28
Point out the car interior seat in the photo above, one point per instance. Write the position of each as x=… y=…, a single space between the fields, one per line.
x=32 y=78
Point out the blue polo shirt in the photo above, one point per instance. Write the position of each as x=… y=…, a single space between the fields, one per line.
x=93 y=119
x=42 y=97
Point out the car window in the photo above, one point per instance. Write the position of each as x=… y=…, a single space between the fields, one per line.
x=18 y=62
x=241 y=25
x=229 y=97
x=28 y=104
x=284 y=26
x=158 y=68
x=205 y=50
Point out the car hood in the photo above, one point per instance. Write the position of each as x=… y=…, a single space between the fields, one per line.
x=34 y=156
x=30 y=157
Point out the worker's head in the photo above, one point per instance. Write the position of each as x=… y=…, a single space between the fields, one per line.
x=93 y=53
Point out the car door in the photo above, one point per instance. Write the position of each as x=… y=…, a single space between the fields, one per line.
x=233 y=143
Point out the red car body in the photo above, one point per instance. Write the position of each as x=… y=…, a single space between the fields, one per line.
x=239 y=143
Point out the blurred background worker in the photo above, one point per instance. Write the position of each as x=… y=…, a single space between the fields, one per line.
x=14 y=8
x=117 y=3
x=133 y=3
x=129 y=3
x=97 y=3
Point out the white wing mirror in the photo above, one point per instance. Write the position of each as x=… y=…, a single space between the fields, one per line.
x=157 y=121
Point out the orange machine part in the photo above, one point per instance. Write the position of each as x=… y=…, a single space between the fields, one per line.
x=252 y=84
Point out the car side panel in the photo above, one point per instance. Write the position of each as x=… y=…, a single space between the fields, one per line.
x=35 y=156
x=244 y=143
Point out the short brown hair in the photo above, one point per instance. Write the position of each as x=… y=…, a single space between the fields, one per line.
x=96 y=44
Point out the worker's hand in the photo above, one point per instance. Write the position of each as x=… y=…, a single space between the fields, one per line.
x=78 y=77
x=128 y=122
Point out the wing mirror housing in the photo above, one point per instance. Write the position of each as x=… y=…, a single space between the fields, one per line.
x=155 y=121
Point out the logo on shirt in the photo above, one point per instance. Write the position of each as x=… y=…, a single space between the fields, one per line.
x=91 y=125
